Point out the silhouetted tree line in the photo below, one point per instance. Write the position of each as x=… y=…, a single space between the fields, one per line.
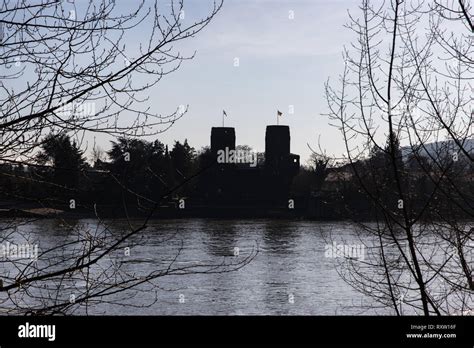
x=424 y=198
x=330 y=190
x=134 y=172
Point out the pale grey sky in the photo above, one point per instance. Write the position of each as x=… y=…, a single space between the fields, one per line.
x=286 y=50
x=283 y=61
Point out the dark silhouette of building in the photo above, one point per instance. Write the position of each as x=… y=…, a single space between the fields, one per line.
x=280 y=165
x=222 y=137
x=241 y=179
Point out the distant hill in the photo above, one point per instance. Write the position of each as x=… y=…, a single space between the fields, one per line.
x=442 y=148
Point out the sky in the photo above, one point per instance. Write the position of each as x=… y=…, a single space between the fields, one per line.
x=254 y=58
x=286 y=50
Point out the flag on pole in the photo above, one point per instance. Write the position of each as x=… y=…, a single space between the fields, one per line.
x=223 y=114
x=279 y=114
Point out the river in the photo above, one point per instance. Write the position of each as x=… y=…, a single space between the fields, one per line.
x=292 y=273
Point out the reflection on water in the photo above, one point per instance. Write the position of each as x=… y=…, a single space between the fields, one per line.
x=290 y=275
x=220 y=237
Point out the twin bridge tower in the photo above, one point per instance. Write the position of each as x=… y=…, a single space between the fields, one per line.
x=243 y=179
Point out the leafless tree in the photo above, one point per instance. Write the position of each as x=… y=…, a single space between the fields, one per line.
x=69 y=66
x=404 y=108
x=85 y=68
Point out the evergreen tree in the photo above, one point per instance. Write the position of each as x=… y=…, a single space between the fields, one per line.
x=64 y=156
x=182 y=158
